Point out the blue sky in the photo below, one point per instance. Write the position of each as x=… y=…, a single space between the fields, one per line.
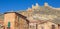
x=15 y=5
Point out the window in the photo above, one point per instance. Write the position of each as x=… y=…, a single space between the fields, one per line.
x=8 y=24
x=53 y=26
x=18 y=17
x=42 y=27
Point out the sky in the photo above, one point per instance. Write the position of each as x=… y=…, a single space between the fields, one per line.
x=16 y=5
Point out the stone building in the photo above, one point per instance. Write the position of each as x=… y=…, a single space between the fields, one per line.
x=1 y=24
x=14 y=20
x=47 y=25
x=41 y=24
x=33 y=24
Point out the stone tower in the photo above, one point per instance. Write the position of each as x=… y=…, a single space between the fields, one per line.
x=46 y=4
x=14 y=20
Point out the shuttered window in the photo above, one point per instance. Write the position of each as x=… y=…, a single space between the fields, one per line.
x=8 y=24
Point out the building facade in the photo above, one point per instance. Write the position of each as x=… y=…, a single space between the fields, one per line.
x=43 y=25
x=13 y=20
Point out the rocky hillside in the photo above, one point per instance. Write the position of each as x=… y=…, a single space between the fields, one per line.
x=41 y=13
